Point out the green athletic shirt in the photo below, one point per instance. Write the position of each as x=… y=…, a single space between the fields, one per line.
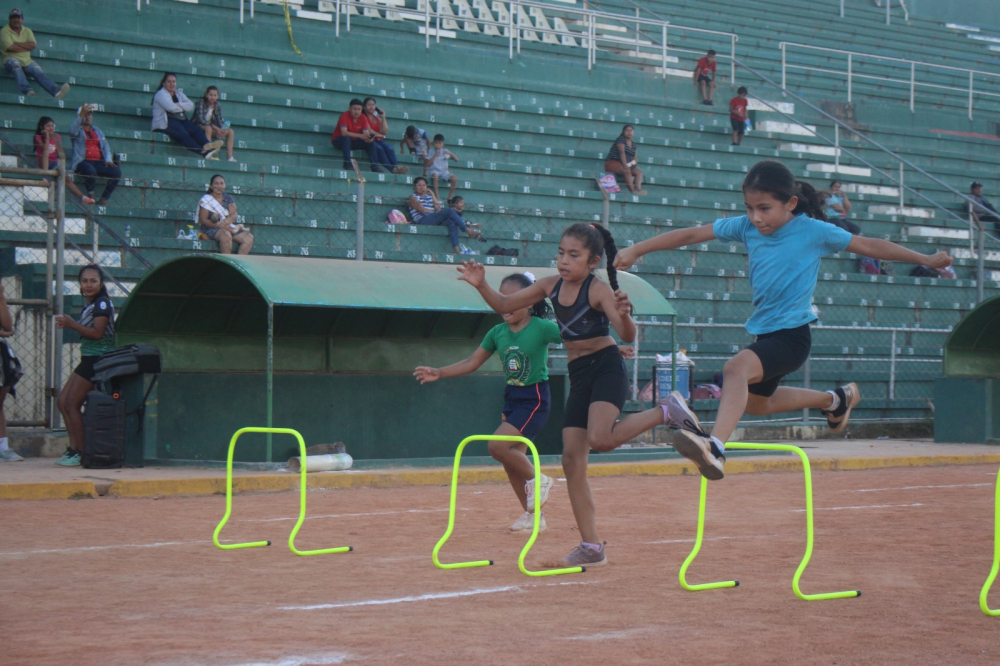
x=524 y=354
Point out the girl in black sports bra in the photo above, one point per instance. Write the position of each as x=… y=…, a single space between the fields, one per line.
x=585 y=308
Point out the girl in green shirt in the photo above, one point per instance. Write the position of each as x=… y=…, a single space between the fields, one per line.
x=522 y=343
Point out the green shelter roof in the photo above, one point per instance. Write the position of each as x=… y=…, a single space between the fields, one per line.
x=973 y=348
x=229 y=288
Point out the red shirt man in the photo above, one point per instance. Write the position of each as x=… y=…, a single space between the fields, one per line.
x=351 y=123
x=704 y=76
x=93 y=146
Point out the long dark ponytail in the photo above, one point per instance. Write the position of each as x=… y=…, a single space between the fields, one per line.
x=598 y=241
x=540 y=309
x=774 y=178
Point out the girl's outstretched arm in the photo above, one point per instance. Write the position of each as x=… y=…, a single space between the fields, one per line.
x=425 y=374
x=475 y=274
x=668 y=241
x=882 y=249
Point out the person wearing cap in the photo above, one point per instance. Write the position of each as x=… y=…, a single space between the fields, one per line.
x=978 y=214
x=16 y=45
x=92 y=154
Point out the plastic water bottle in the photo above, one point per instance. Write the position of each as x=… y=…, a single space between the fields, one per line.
x=226 y=124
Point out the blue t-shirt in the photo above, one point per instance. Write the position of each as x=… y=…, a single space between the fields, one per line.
x=783 y=267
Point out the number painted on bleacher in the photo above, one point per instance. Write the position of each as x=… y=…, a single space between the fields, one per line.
x=279 y=193
x=81 y=58
x=538 y=237
x=196 y=245
x=379 y=254
x=161 y=214
x=250 y=99
x=274 y=168
x=222 y=73
x=352 y=254
x=111 y=83
x=490 y=260
x=241 y=144
x=426 y=257
x=320 y=173
x=275 y=249
x=243 y=167
x=310 y=150
x=313 y=224
x=284 y=147
x=517 y=235
x=118 y=63
x=171 y=161
x=268 y=220
x=503 y=188
x=309 y=195
x=201 y=164
x=7 y=124
x=412 y=228
x=450 y=258
x=342 y=224
x=513 y=261
x=133 y=242
x=304 y=251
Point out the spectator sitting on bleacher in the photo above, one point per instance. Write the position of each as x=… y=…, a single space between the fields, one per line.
x=170 y=109
x=984 y=218
x=16 y=45
x=48 y=150
x=437 y=166
x=217 y=217
x=208 y=116
x=417 y=141
x=837 y=208
x=380 y=129
x=353 y=133
x=704 y=77
x=425 y=208
x=10 y=373
x=92 y=155
x=622 y=161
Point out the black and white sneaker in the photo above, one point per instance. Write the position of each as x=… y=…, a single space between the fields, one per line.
x=850 y=396
x=702 y=451
x=679 y=415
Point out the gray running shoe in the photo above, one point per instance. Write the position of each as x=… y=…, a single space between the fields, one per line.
x=543 y=492
x=681 y=416
x=526 y=523
x=700 y=450
x=850 y=396
x=584 y=556
x=9 y=456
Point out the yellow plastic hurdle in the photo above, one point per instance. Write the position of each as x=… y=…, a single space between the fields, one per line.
x=809 y=532
x=983 y=603
x=302 y=498
x=534 y=531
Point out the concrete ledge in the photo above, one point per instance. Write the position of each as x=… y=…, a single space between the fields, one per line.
x=442 y=477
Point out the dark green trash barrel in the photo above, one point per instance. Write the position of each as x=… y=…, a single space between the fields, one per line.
x=967 y=398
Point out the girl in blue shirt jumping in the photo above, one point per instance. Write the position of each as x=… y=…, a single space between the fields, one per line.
x=786 y=236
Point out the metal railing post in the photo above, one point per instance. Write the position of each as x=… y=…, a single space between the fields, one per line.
x=850 y=59
x=512 y=10
x=591 y=51
x=241 y=9
x=981 y=265
x=841 y=8
x=888 y=18
x=784 y=74
x=637 y=33
x=251 y=9
x=970 y=94
x=913 y=85
x=836 y=148
x=664 y=26
x=336 y=20
x=902 y=189
x=892 y=368
x=359 y=233
x=57 y=349
x=732 y=60
x=510 y=34
x=437 y=22
x=427 y=23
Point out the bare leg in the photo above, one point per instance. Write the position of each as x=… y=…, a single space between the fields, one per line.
x=788 y=399
x=575 y=453
x=225 y=240
x=605 y=434
x=637 y=173
x=245 y=240
x=3 y=418
x=71 y=186
x=453 y=181
x=434 y=178
x=230 y=137
x=711 y=90
x=71 y=400
x=512 y=456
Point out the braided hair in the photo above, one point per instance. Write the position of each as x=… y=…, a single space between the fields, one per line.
x=774 y=178
x=597 y=240
x=541 y=309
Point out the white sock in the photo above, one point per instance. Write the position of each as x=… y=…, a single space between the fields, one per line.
x=836 y=401
x=592 y=546
x=3 y=444
x=719 y=443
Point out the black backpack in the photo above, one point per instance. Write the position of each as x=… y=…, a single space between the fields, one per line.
x=104 y=417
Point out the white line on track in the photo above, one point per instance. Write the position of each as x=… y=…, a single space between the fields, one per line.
x=430 y=597
x=316 y=660
x=719 y=538
x=878 y=490
x=853 y=508
x=348 y=515
x=83 y=548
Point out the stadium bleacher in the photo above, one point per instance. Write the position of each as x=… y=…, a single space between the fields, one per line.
x=531 y=134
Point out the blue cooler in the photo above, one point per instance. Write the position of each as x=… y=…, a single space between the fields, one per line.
x=663 y=374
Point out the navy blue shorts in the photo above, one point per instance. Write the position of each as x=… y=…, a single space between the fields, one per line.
x=527 y=407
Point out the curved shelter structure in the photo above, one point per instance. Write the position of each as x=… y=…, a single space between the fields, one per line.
x=967 y=398
x=325 y=346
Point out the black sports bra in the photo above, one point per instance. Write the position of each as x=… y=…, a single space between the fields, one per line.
x=579 y=321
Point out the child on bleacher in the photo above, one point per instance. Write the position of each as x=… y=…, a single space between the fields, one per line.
x=738 y=115
x=437 y=166
x=49 y=150
x=416 y=141
x=704 y=77
x=786 y=237
x=522 y=343
x=208 y=116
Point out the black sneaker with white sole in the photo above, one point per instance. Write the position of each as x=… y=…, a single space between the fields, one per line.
x=850 y=396
x=702 y=451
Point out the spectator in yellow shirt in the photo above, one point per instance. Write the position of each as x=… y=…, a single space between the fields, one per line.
x=16 y=45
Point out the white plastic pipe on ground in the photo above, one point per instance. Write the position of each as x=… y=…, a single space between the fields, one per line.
x=327 y=463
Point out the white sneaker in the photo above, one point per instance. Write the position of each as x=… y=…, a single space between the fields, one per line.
x=543 y=492
x=62 y=91
x=526 y=523
x=9 y=456
x=681 y=416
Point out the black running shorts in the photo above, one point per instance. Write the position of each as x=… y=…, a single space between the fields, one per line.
x=597 y=377
x=781 y=353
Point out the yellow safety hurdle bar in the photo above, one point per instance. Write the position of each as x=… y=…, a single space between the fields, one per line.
x=809 y=531
x=996 y=557
x=302 y=497
x=534 y=531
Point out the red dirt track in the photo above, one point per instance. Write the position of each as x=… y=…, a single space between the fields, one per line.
x=83 y=583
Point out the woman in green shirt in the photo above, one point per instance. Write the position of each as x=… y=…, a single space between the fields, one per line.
x=97 y=330
x=522 y=342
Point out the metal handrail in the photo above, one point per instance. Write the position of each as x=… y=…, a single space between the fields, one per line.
x=912 y=81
